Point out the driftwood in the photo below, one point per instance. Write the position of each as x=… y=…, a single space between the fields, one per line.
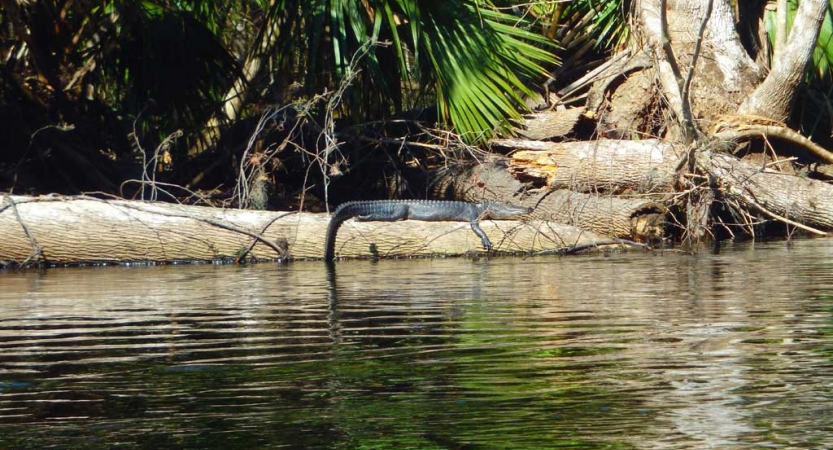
x=72 y=230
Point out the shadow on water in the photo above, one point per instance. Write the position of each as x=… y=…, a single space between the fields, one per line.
x=628 y=351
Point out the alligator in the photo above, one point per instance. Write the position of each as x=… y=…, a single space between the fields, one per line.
x=426 y=210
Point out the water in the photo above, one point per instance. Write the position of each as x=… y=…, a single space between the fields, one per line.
x=670 y=351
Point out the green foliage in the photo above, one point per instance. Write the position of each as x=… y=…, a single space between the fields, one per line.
x=472 y=58
x=164 y=60
x=602 y=22
x=170 y=61
x=158 y=66
x=477 y=62
x=607 y=26
x=585 y=30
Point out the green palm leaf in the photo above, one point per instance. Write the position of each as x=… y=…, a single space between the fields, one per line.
x=479 y=65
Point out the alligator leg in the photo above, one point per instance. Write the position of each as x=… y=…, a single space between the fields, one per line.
x=400 y=212
x=475 y=226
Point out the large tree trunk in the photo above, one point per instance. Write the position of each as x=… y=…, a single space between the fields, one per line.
x=73 y=230
x=723 y=74
x=773 y=98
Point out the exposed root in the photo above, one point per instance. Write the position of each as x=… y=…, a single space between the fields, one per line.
x=738 y=128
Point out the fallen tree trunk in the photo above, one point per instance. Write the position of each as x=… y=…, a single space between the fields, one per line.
x=413 y=238
x=627 y=218
x=72 y=230
x=647 y=167
x=602 y=166
x=802 y=202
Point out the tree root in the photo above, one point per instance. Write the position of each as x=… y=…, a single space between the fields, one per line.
x=738 y=128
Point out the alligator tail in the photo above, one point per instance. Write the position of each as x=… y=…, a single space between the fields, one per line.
x=340 y=215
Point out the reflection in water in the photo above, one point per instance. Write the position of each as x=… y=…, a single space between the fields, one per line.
x=628 y=351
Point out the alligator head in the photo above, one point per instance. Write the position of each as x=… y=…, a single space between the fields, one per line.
x=498 y=210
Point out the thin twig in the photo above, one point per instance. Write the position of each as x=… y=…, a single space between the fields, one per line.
x=37 y=250
x=666 y=43
x=689 y=130
x=263 y=230
x=159 y=183
x=282 y=253
x=246 y=177
x=780 y=218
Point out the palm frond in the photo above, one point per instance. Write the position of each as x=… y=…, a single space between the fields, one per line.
x=479 y=65
x=475 y=59
x=574 y=23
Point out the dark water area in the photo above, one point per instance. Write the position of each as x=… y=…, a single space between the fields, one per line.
x=728 y=350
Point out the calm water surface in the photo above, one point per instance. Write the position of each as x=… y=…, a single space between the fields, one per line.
x=729 y=350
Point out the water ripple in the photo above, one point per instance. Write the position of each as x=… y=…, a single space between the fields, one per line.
x=628 y=351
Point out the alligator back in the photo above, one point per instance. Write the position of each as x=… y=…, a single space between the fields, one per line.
x=427 y=210
x=392 y=210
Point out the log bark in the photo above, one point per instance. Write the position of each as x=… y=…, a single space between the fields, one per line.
x=713 y=84
x=603 y=214
x=773 y=98
x=603 y=166
x=777 y=195
x=72 y=230
x=549 y=124
x=626 y=218
x=413 y=238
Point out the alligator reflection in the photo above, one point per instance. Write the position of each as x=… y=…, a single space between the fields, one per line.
x=626 y=351
x=332 y=303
